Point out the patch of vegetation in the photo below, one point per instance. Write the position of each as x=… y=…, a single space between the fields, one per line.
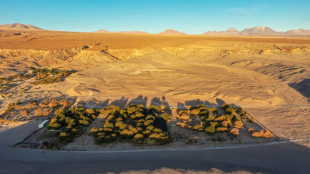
x=28 y=110
x=71 y=123
x=202 y=119
x=135 y=124
x=9 y=86
x=46 y=76
x=261 y=133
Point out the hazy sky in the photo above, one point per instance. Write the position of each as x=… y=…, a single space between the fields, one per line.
x=154 y=16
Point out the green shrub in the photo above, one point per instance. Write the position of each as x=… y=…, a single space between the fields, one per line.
x=210 y=118
x=147 y=132
x=54 y=125
x=84 y=122
x=150 y=117
x=90 y=111
x=133 y=129
x=148 y=122
x=63 y=134
x=108 y=129
x=197 y=126
x=155 y=136
x=126 y=133
x=195 y=111
x=210 y=129
x=221 y=129
x=138 y=136
x=154 y=108
x=93 y=130
x=150 y=128
x=166 y=116
x=203 y=113
x=139 y=115
x=108 y=125
x=220 y=118
x=213 y=124
x=157 y=130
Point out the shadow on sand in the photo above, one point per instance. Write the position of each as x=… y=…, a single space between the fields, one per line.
x=302 y=87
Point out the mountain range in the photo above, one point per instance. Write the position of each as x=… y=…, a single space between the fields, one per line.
x=133 y=32
x=254 y=31
x=230 y=31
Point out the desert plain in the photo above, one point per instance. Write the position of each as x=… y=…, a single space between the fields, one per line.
x=268 y=76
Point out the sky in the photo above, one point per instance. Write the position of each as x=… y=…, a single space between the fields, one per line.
x=154 y=16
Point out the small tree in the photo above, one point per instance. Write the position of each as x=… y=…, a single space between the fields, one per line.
x=238 y=124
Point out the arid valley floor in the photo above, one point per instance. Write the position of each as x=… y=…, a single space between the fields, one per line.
x=267 y=76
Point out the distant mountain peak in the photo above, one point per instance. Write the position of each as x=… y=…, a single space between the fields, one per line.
x=232 y=30
x=260 y=30
x=101 y=31
x=172 y=32
x=261 y=27
x=19 y=26
x=298 y=32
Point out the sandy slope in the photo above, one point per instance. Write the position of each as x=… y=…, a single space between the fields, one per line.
x=177 y=81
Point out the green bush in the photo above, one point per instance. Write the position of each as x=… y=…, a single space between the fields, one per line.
x=108 y=125
x=195 y=111
x=54 y=125
x=63 y=134
x=166 y=116
x=138 y=136
x=150 y=117
x=197 y=126
x=154 y=109
x=148 y=122
x=93 y=130
x=210 y=129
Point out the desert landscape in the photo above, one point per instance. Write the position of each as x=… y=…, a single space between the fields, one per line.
x=155 y=87
x=198 y=91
